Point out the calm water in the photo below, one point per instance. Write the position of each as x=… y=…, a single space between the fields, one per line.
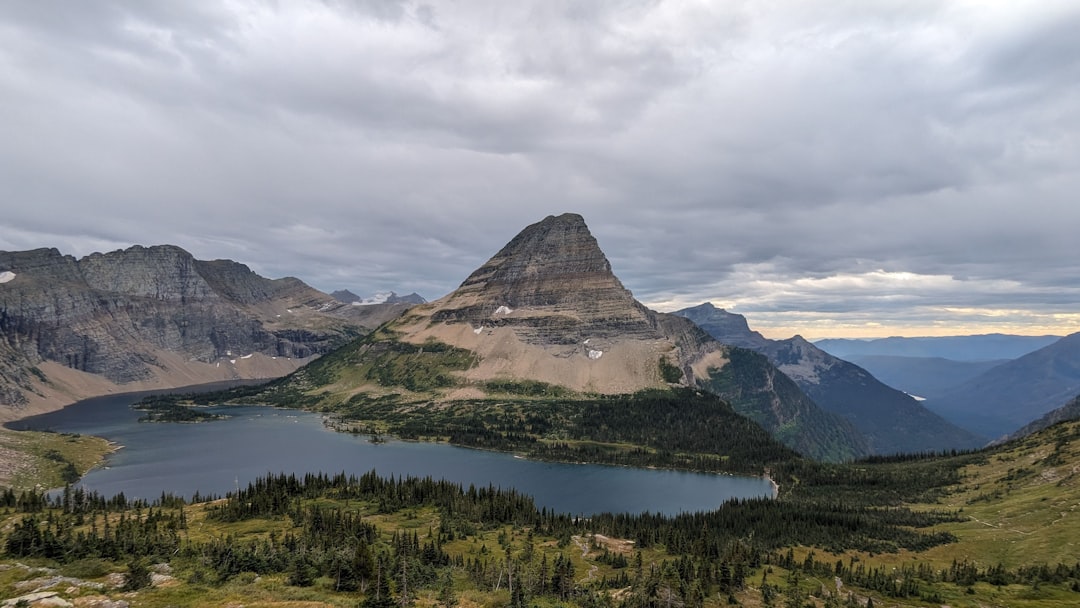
x=212 y=457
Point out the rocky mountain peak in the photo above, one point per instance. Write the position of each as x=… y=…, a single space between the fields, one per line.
x=528 y=271
x=164 y=272
x=554 y=285
x=727 y=327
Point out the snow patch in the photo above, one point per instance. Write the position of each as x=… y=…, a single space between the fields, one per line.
x=248 y=356
x=586 y=342
x=6 y=276
x=503 y=310
x=595 y=354
x=233 y=361
x=478 y=330
x=379 y=298
x=916 y=397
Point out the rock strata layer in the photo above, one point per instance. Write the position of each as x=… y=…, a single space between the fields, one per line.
x=118 y=315
x=551 y=284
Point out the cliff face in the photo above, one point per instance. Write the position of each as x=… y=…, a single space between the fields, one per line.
x=133 y=315
x=553 y=285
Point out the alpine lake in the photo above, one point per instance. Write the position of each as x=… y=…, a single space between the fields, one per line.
x=218 y=456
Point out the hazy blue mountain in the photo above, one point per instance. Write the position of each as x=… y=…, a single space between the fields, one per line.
x=891 y=420
x=958 y=348
x=1015 y=393
x=923 y=376
x=1069 y=411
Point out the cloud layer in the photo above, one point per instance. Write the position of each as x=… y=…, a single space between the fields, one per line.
x=830 y=168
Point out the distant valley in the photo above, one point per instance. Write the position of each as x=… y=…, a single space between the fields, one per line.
x=924 y=377
x=891 y=420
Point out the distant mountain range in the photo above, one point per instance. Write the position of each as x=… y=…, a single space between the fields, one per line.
x=546 y=315
x=891 y=420
x=154 y=317
x=986 y=347
x=344 y=295
x=926 y=377
x=1009 y=396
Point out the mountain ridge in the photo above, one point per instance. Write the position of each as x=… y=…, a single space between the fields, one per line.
x=150 y=317
x=892 y=420
x=1015 y=393
x=980 y=347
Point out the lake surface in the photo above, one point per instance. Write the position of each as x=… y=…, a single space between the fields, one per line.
x=214 y=457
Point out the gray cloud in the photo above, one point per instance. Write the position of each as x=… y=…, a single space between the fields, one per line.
x=870 y=167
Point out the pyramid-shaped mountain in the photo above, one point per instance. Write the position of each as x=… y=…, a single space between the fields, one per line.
x=553 y=285
x=548 y=310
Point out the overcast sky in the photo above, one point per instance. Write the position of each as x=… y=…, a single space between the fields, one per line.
x=829 y=168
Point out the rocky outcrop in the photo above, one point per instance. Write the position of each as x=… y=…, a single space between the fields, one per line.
x=553 y=285
x=891 y=420
x=116 y=315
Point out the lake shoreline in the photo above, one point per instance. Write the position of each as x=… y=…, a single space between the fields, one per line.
x=213 y=459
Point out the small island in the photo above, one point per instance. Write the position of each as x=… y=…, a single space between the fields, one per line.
x=173 y=408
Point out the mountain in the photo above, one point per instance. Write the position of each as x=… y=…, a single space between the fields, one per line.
x=892 y=420
x=1015 y=393
x=546 y=316
x=1069 y=411
x=957 y=348
x=153 y=317
x=926 y=377
x=344 y=295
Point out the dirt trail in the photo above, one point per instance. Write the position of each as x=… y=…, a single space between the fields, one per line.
x=584 y=546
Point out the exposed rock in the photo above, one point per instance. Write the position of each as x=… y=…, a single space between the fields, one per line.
x=558 y=283
x=43 y=598
x=346 y=296
x=117 y=315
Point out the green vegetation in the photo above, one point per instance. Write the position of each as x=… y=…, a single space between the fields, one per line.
x=341 y=540
x=829 y=437
x=526 y=388
x=680 y=428
x=670 y=373
x=165 y=408
x=372 y=538
x=41 y=460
